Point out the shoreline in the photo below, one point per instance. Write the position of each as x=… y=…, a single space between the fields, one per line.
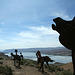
x=54 y=57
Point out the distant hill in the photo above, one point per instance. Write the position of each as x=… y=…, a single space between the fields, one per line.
x=53 y=50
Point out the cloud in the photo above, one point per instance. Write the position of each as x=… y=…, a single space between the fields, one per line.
x=31 y=10
x=32 y=37
x=2 y=41
x=35 y=33
x=62 y=14
x=36 y=16
x=35 y=36
x=28 y=34
x=43 y=30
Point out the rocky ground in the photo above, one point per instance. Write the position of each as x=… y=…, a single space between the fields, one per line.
x=30 y=70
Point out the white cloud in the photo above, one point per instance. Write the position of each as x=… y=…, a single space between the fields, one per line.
x=2 y=41
x=27 y=13
x=35 y=33
x=39 y=28
x=28 y=34
x=44 y=30
x=37 y=37
x=24 y=43
x=61 y=14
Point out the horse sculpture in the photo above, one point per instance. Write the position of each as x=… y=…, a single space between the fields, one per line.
x=21 y=56
x=16 y=57
x=42 y=60
x=66 y=29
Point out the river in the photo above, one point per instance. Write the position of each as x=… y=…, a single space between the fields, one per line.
x=32 y=56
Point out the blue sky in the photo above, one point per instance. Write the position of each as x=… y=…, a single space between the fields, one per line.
x=27 y=23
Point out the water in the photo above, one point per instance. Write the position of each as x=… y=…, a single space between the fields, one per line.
x=32 y=56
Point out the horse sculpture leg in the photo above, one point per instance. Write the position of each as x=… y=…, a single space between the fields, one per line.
x=42 y=67
x=38 y=61
x=19 y=61
x=41 y=61
x=14 y=62
x=73 y=59
x=47 y=65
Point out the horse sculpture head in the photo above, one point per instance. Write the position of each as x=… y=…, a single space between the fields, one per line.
x=12 y=54
x=21 y=56
x=38 y=54
x=66 y=29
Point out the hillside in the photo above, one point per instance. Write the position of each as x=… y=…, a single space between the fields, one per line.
x=52 y=51
x=29 y=67
x=68 y=66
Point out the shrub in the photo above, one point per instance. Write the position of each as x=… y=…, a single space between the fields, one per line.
x=58 y=70
x=67 y=72
x=6 y=70
x=1 y=58
x=54 y=68
x=22 y=62
x=64 y=72
x=30 y=63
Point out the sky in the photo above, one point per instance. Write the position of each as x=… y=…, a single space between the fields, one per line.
x=27 y=23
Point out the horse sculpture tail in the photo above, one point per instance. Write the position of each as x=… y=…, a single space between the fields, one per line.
x=47 y=59
x=51 y=60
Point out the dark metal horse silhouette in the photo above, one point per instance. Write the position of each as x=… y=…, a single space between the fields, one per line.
x=21 y=56
x=18 y=58
x=42 y=60
x=66 y=29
